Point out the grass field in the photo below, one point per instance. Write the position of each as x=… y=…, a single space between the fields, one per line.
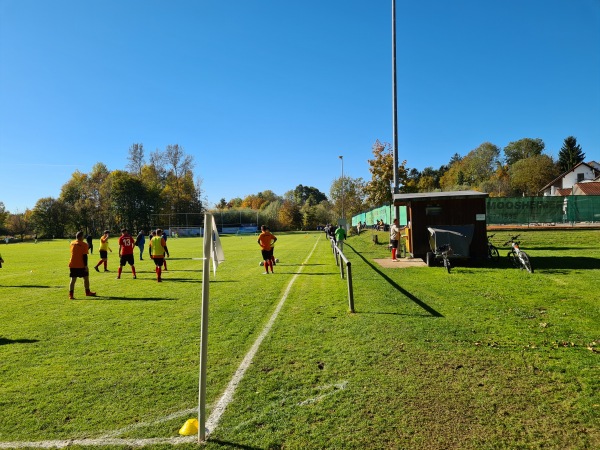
x=482 y=358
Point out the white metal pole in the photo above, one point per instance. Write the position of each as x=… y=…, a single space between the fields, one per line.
x=208 y=237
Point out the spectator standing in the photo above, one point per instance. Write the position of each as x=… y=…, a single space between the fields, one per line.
x=78 y=266
x=165 y=237
x=126 y=246
x=104 y=249
x=340 y=235
x=394 y=238
x=266 y=241
x=90 y=243
x=141 y=242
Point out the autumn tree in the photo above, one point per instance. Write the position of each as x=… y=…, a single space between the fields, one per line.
x=379 y=189
x=289 y=216
x=570 y=154
x=18 y=224
x=136 y=159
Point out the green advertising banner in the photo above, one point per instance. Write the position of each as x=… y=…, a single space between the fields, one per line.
x=534 y=210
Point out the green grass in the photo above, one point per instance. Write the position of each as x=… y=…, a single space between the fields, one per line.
x=483 y=358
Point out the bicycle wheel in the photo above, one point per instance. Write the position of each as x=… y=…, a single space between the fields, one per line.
x=524 y=257
x=447 y=263
x=514 y=261
x=493 y=253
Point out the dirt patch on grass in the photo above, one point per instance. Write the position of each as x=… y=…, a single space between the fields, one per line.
x=402 y=263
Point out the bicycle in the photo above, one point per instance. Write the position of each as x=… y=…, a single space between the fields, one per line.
x=446 y=251
x=518 y=258
x=493 y=252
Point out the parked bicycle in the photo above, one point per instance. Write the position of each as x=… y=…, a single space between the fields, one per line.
x=518 y=258
x=493 y=252
x=446 y=251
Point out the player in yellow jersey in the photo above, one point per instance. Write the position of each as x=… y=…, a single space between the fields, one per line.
x=158 y=250
x=104 y=249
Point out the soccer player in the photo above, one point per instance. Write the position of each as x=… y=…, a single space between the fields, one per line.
x=266 y=241
x=126 y=246
x=104 y=249
x=158 y=249
x=78 y=265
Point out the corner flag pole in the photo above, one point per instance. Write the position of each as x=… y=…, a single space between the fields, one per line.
x=208 y=233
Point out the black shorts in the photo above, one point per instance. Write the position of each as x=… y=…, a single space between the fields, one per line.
x=79 y=273
x=158 y=261
x=394 y=243
x=266 y=254
x=127 y=259
x=103 y=254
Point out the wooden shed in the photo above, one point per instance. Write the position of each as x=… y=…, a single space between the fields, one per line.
x=439 y=209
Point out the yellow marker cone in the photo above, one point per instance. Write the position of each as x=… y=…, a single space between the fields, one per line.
x=189 y=428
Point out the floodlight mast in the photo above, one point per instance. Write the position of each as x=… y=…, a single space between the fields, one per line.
x=394 y=108
x=343 y=212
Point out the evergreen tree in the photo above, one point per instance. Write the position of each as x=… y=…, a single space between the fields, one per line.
x=570 y=154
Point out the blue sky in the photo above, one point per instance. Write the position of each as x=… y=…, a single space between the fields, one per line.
x=267 y=94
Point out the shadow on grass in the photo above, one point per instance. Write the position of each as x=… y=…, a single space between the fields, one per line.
x=5 y=341
x=564 y=262
x=142 y=299
x=34 y=286
x=395 y=285
x=228 y=444
x=556 y=264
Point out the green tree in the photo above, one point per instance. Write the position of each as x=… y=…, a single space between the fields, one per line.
x=3 y=218
x=528 y=176
x=49 y=218
x=570 y=154
x=76 y=194
x=222 y=204
x=131 y=203
x=480 y=163
x=347 y=195
x=521 y=149
x=303 y=194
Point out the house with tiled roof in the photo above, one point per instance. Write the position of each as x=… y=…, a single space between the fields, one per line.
x=587 y=188
x=564 y=184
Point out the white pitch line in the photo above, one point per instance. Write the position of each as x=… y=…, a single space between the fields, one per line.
x=227 y=397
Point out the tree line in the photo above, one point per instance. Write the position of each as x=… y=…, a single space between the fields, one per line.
x=164 y=186
x=522 y=168
x=135 y=198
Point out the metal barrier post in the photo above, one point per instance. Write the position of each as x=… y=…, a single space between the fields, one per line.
x=342 y=257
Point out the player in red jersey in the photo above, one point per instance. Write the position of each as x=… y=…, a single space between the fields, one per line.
x=126 y=246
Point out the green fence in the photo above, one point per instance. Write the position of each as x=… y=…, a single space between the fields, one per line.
x=534 y=210
x=513 y=210
x=385 y=213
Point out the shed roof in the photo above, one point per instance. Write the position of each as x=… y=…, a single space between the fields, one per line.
x=426 y=196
